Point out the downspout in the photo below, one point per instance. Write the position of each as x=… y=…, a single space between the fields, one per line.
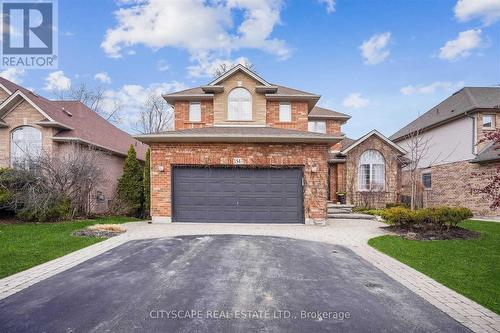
x=474 y=132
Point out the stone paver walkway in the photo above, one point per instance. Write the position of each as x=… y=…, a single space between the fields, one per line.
x=353 y=234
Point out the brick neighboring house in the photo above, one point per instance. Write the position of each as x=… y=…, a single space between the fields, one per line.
x=456 y=161
x=30 y=123
x=246 y=150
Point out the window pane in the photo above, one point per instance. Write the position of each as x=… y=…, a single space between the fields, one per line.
x=194 y=112
x=26 y=144
x=378 y=175
x=321 y=127
x=239 y=105
x=285 y=112
x=427 y=180
x=364 y=177
x=317 y=126
x=487 y=121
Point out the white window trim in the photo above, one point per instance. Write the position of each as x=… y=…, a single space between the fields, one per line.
x=289 y=110
x=316 y=122
x=371 y=174
x=493 y=122
x=228 y=117
x=11 y=139
x=189 y=112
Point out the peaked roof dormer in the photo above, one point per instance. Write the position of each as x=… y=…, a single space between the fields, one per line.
x=238 y=68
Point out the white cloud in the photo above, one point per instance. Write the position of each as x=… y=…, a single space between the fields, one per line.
x=13 y=74
x=131 y=99
x=162 y=65
x=102 y=77
x=374 y=50
x=486 y=10
x=197 y=26
x=355 y=101
x=57 y=81
x=207 y=67
x=432 y=87
x=461 y=46
x=330 y=5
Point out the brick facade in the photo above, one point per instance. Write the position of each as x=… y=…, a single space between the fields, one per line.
x=453 y=184
x=481 y=131
x=311 y=157
x=25 y=114
x=182 y=115
x=391 y=192
x=299 y=116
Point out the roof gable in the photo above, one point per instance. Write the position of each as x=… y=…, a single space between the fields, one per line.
x=235 y=69
x=455 y=106
x=380 y=136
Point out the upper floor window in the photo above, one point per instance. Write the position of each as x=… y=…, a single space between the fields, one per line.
x=427 y=180
x=317 y=126
x=239 y=105
x=371 y=171
x=285 y=112
x=194 y=112
x=25 y=144
x=488 y=121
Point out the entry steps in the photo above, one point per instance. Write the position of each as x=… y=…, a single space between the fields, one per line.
x=340 y=211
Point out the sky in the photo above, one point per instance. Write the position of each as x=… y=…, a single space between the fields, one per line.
x=384 y=62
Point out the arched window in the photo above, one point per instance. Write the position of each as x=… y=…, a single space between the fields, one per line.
x=25 y=144
x=239 y=105
x=371 y=171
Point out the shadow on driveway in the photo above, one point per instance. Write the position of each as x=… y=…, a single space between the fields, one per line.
x=222 y=283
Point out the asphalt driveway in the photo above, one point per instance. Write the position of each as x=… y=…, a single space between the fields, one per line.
x=222 y=283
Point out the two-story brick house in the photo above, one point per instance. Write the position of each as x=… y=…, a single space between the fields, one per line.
x=456 y=159
x=245 y=150
x=31 y=125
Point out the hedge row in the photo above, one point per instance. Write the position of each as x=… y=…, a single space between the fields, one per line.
x=439 y=217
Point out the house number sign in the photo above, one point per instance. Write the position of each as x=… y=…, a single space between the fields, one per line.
x=237 y=161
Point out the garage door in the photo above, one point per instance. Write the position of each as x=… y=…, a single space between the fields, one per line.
x=237 y=195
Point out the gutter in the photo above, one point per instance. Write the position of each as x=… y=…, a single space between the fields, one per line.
x=148 y=138
x=88 y=143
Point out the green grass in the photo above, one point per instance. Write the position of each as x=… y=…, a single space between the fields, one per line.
x=26 y=245
x=470 y=267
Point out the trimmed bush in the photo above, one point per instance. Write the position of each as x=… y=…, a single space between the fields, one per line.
x=400 y=216
x=436 y=218
x=396 y=204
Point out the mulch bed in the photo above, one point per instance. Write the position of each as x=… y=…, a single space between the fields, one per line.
x=434 y=234
x=96 y=233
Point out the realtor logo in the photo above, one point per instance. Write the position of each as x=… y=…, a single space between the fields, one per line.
x=29 y=34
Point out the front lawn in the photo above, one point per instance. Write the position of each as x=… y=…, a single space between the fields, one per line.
x=26 y=245
x=470 y=267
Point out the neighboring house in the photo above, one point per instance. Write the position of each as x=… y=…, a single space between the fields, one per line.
x=455 y=160
x=31 y=124
x=245 y=150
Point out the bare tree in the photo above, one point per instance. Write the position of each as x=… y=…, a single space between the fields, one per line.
x=224 y=67
x=49 y=187
x=156 y=116
x=94 y=99
x=418 y=147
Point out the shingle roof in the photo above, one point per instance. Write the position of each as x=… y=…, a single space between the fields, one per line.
x=282 y=90
x=466 y=99
x=346 y=143
x=319 y=113
x=86 y=125
x=89 y=126
x=489 y=154
x=239 y=134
